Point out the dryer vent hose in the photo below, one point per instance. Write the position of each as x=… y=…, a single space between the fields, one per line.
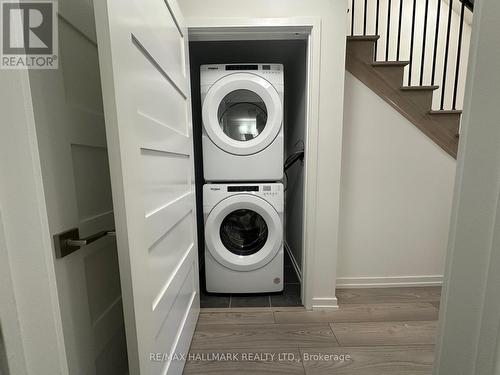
x=292 y=159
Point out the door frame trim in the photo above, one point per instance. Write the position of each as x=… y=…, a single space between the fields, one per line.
x=468 y=339
x=303 y=28
x=32 y=323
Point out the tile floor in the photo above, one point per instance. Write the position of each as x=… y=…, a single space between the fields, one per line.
x=288 y=298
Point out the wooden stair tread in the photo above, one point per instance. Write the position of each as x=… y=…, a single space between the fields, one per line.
x=445 y=112
x=390 y=63
x=354 y=38
x=411 y=88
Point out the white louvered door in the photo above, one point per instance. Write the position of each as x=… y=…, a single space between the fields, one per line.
x=145 y=79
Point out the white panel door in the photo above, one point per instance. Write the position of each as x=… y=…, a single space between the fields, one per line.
x=144 y=73
x=69 y=119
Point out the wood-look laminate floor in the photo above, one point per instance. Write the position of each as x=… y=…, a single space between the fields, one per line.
x=375 y=332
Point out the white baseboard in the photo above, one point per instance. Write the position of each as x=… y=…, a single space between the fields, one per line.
x=294 y=262
x=388 y=282
x=325 y=303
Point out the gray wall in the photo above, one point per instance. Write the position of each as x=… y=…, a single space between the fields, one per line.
x=295 y=121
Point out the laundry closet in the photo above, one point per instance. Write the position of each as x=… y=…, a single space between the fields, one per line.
x=258 y=86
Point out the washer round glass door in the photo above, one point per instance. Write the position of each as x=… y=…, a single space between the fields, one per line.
x=242 y=113
x=243 y=232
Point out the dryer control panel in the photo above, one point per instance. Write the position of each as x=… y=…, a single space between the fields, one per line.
x=243 y=67
x=211 y=72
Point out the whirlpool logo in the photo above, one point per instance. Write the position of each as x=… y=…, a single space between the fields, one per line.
x=29 y=35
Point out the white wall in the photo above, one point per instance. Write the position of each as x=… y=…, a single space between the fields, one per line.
x=332 y=69
x=397 y=188
x=429 y=46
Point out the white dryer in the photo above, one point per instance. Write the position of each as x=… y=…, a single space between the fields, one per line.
x=242 y=113
x=243 y=237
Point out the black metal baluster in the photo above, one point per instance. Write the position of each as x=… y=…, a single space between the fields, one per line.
x=423 y=43
x=364 y=17
x=388 y=29
x=436 y=37
x=399 y=28
x=387 y=35
x=352 y=18
x=376 y=27
x=459 y=50
x=412 y=40
x=446 y=51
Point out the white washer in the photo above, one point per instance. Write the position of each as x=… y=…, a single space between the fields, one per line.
x=243 y=237
x=242 y=112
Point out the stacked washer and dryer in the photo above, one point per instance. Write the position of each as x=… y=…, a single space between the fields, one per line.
x=243 y=198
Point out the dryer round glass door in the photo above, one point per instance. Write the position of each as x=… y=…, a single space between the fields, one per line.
x=242 y=113
x=243 y=232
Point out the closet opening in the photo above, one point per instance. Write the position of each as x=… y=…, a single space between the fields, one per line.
x=291 y=51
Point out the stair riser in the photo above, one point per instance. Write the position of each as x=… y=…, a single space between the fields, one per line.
x=449 y=123
x=363 y=50
x=393 y=74
x=420 y=99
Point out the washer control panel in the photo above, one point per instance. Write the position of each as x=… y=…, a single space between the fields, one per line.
x=240 y=188
x=213 y=193
x=268 y=190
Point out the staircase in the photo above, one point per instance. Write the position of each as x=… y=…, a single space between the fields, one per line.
x=387 y=77
x=413 y=102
